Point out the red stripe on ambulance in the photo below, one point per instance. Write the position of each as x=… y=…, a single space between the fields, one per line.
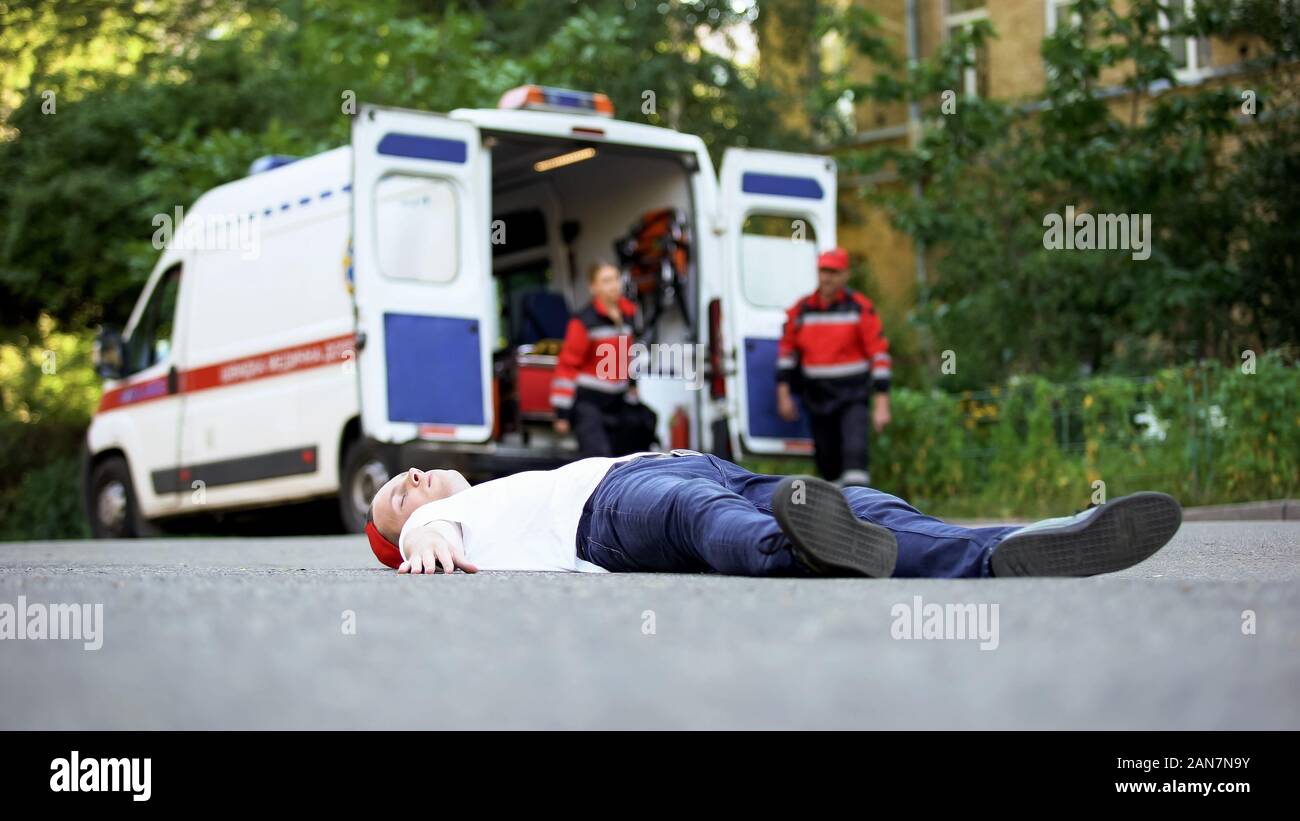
x=261 y=366
x=236 y=371
x=134 y=394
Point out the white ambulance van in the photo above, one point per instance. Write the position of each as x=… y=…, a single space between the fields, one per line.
x=404 y=297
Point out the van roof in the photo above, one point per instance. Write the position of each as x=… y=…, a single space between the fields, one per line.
x=569 y=126
x=292 y=190
x=289 y=191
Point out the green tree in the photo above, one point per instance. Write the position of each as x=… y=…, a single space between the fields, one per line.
x=992 y=171
x=153 y=109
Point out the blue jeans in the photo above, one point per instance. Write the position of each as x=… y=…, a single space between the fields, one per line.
x=699 y=513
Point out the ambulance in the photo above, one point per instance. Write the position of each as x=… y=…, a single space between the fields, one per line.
x=400 y=300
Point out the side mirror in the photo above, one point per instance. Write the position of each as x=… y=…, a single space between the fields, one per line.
x=109 y=354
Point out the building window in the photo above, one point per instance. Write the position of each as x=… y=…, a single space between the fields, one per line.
x=1191 y=54
x=1058 y=13
x=959 y=16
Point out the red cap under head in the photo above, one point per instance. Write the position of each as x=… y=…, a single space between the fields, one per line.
x=385 y=551
x=836 y=259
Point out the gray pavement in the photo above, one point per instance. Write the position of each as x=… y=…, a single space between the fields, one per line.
x=249 y=633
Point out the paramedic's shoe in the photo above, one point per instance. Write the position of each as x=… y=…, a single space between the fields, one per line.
x=825 y=535
x=854 y=478
x=1103 y=539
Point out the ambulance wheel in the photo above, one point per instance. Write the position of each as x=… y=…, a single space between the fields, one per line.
x=114 y=511
x=363 y=474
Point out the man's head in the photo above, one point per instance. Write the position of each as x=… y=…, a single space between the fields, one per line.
x=832 y=271
x=398 y=499
x=606 y=283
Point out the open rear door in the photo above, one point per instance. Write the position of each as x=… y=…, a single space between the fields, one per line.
x=778 y=211
x=423 y=287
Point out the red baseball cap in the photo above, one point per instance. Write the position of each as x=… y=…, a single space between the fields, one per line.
x=836 y=259
x=385 y=551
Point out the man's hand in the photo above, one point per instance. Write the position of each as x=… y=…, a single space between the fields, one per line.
x=425 y=547
x=880 y=417
x=785 y=405
x=562 y=426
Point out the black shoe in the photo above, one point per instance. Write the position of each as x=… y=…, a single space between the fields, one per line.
x=826 y=537
x=1103 y=539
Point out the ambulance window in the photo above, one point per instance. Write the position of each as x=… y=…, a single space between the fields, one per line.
x=416 y=226
x=151 y=340
x=778 y=259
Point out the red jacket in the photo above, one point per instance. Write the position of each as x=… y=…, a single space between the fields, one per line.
x=832 y=340
x=596 y=354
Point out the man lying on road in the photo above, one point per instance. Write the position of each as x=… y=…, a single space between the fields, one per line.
x=686 y=512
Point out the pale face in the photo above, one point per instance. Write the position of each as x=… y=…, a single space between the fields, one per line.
x=607 y=285
x=402 y=494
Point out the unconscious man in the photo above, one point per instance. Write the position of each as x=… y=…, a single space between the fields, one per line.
x=686 y=512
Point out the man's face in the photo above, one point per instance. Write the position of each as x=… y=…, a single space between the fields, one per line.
x=829 y=280
x=402 y=494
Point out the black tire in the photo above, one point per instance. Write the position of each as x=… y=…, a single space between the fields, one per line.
x=112 y=506
x=362 y=474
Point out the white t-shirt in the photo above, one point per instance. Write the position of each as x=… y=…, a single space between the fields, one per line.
x=528 y=521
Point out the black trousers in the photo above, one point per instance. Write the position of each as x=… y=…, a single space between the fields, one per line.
x=596 y=418
x=840 y=439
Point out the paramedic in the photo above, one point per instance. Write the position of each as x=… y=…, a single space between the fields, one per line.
x=593 y=381
x=833 y=354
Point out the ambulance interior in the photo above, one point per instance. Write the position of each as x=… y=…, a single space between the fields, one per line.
x=558 y=206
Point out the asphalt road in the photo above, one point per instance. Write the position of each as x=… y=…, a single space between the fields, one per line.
x=250 y=633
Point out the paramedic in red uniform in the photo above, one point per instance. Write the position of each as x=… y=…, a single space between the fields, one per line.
x=593 y=379
x=834 y=355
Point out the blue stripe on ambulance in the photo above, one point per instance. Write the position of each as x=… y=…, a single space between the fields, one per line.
x=779 y=185
x=417 y=147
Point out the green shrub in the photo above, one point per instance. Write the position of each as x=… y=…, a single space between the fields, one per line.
x=48 y=391
x=1205 y=433
x=46 y=504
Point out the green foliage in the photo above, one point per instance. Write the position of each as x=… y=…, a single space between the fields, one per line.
x=1206 y=433
x=155 y=107
x=48 y=391
x=46 y=376
x=1219 y=187
x=46 y=504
